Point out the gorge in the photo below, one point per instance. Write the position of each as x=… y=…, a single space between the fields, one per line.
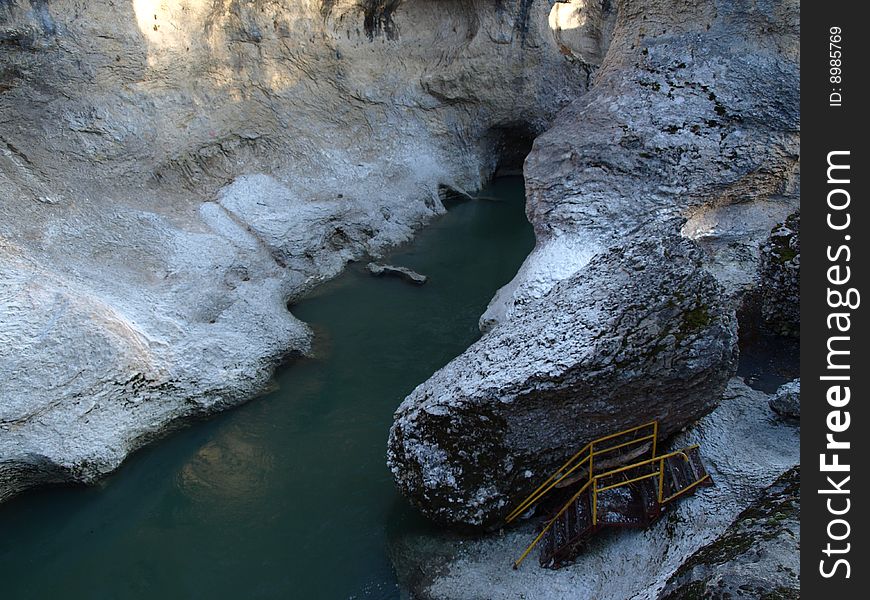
x=175 y=174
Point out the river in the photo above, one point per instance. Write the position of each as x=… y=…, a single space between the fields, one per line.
x=287 y=496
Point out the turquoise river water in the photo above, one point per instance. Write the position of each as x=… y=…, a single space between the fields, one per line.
x=289 y=495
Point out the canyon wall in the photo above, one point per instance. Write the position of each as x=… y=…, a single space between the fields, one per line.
x=173 y=173
x=690 y=130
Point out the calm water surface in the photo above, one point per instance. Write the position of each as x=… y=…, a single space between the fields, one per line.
x=288 y=496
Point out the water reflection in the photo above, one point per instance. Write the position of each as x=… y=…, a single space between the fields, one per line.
x=228 y=473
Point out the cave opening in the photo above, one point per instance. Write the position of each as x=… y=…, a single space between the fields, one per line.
x=768 y=359
x=504 y=148
x=508 y=145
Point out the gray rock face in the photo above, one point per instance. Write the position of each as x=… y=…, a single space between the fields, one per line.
x=745 y=451
x=690 y=124
x=691 y=128
x=404 y=273
x=172 y=173
x=779 y=278
x=758 y=556
x=640 y=334
x=787 y=400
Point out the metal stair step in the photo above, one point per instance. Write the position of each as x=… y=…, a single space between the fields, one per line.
x=627 y=496
x=697 y=464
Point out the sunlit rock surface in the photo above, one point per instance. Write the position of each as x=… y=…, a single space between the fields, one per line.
x=173 y=172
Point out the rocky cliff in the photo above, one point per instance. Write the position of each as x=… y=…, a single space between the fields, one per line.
x=172 y=173
x=690 y=130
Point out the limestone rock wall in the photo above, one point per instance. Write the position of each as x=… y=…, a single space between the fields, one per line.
x=691 y=128
x=173 y=172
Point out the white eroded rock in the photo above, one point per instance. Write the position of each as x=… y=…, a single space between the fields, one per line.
x=172 y=173
x=685 y=131
x=641 y=333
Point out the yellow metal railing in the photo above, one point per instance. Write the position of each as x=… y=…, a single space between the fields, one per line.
x=550 y=523
x=595 y=482
x=658 y=472
x=586 y=455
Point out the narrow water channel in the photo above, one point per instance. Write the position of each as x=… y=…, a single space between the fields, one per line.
x=288 y=496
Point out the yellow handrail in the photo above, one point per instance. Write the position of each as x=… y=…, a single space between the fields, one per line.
x=660 y=472
x=534 y=543
x=686 y=489
x=624 y=431
x=594 y=481
x=552 y=481
x=622 y=483
x=650 y=460
x=624 y=444
x=541 y=491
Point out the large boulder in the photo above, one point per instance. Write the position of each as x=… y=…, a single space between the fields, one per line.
x=640 y=334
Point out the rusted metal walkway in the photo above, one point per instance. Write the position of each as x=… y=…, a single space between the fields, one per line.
x=617 y=481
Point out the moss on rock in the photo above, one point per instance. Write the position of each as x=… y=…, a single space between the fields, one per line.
x=757 y=557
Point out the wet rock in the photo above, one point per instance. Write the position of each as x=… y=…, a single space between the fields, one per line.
x=640 y=334
x=758 y=556
x=787 y=400
x=779 y=278
x=404 y=273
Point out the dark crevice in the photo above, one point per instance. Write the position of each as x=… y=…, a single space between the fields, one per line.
x=767 y=359
x=509 y=145
x=521 y=25
x=378 y=18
